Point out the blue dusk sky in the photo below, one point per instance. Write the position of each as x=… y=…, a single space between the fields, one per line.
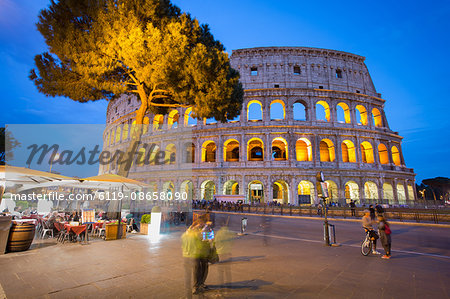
x=406 y=45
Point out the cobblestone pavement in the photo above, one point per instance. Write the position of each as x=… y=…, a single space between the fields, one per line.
x=286 y=259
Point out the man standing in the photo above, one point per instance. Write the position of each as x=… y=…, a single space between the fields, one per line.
x=352 y=207
x=367 y=223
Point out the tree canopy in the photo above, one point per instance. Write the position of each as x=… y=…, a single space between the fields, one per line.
x=104 y=48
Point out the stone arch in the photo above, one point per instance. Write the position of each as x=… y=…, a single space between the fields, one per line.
x=145 y=124
x=189 y=152
x=158 y=122
x=231 y=187
x=125 y=131
x=388 y=193
x=209 y=151
x=168 y=190
x=348 y=151
x=410 y=192
x=140 y=157
x=377 y=118
x=188 y=188
x=327 y=153
x=171 y=154
x=231 y=150
x=383 y=154
x=208 y=190
x=370 y=191
x=279 y=149
x=254 y=111
x=303 y=149
x=118 y=134
x=299 y=111
x=153 y=155
x=189 y=121
x=343 y=113
x=277 y=110
x=255 y=191
x=111 y=140
x=366 y=152
x=351 y=191
x=361 y=115
x=396 y=156
x=255 y=150
x=280 y=192
x=172 y=122
x=306 y=189
x=401 y=195
x=323 y=111
x=333 y=191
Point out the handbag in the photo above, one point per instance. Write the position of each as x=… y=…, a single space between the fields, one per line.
x=213 y=257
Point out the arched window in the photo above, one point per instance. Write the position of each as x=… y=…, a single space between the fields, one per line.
x=255 y=150
x=396 y=156
x=348 y=151
x=410 y=192
x=383 y=154
x=332 y=190
x=370 y=191
x=351 y=191
x=188 y=120
x=171 y=154
x=208 y=189
x=299 y=111
x=361 y=115
x=231 y=150
x=189 y=150
x=254 y=111
x=322 y=111
x=343 y=113
x=158 y=122
x=231 y=187
x=277 y=110
x=401 y=195
x=118 y=132
x=209 y=151
x=376 y=115
x=303 y=150
x=172 y=122
x=280 y=192
x=326 y=150
x=255 y=192
x=279 y=149
x=306 y=192
x=366 y=152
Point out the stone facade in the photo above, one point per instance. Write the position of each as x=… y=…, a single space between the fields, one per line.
x=305 y=110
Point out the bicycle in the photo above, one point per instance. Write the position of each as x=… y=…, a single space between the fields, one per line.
x=367 y=244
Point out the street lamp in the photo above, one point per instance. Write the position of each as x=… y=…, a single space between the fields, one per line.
x=54 y=157
x=322 y=186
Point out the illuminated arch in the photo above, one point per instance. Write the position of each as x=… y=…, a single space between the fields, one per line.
x=187 y=187
x=361 y=115
x=410 y=192
x=401 y=195
x=396 y=156
x=306 y=189
x=351 y=191
x=158 y=122
x=125 y=132
x=370 y=191
x=280 y=192
x=348 y=151
x=189 y=121
x=279 y=149
x=366 y=152
x=118 y=133
x=299 y=110
x=145 y=124
x=171 y=154
x=343 y=113
x=209 y=151
x=189 y=152
x=133 y=128
x=388 y=193
x=255 y=192
x=208 y=190
x=172 y=122
x=377 y=119
x=322 y=111
x=332 y=190
x=277 y=110
x=168 y=190
x=255 y=150
x=231 y=187
x=231 y=150
x=383 y=154
x=154 y=150
x=254 y=111
x=327 y=153
x=303 y=149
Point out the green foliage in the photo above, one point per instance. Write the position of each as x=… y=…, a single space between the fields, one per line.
x=101 y=49
x=146 y=218
x=7 y=144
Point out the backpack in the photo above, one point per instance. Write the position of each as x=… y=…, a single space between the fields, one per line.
x=387 y=229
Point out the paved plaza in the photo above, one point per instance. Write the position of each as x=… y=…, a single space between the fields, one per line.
x=283 y=258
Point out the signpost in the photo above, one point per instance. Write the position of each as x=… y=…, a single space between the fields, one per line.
x=324 y=194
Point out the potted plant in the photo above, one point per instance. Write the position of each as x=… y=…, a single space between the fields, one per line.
x=111 y=230
x=145 y=221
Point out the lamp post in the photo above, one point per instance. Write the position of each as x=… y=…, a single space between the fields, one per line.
x=324 y=194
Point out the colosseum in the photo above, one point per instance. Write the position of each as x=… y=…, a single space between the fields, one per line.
x=305 y=110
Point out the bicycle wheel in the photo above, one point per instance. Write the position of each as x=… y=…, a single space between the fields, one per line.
x=366 y=247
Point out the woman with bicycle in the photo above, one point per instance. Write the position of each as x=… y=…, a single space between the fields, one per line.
x=385 y=236
x=367 y=223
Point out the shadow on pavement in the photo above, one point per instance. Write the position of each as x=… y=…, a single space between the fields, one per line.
x=253 y=284
x=242 y=259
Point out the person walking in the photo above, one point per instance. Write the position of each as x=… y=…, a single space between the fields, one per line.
x=372 y=213
x=379 y=209
x=384 y=231
x=189 y=246
x=224 y=242
x=352 y=207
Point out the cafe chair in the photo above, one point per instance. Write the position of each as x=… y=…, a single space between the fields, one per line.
x=45 y=230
